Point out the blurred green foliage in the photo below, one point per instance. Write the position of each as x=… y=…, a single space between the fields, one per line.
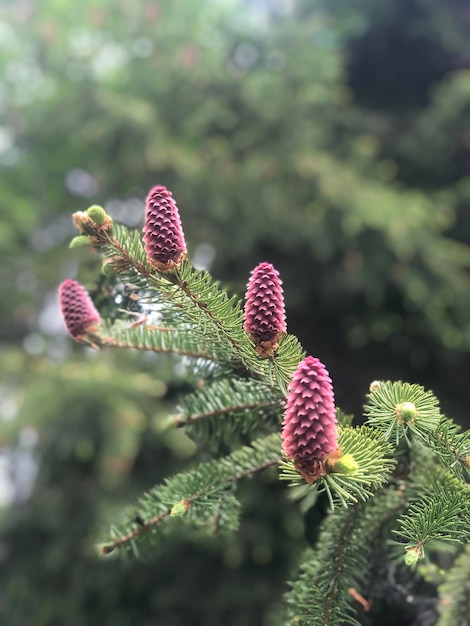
x=330 y=138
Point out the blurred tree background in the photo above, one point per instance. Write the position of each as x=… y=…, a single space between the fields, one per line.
x=331 y=138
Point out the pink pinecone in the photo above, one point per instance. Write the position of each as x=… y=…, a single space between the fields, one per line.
x=77 y=308
x=163 y=234
x=310 y=428
x=265 y=317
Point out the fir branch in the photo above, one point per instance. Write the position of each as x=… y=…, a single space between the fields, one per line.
x=196 y=496
x=288 y=355
x=321 y=595
x=191 y=298
x=224 y=312
x=454 y=593
x=141 y=527
x=200 y=320
x=333 y=587
x=229 y=407
x=396 y=407
x=148 y=338
x=204 y=303
x=189 y=291
x=444 y=514
x=452 y=447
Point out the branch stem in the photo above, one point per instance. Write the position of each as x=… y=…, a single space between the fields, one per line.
x=145 y=526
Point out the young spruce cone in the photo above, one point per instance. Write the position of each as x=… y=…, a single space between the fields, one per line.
x=163 y=235
x=309 y=432
x=265 y=317
x=78 y=310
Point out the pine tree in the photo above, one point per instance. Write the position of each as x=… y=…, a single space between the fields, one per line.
x=400 y=480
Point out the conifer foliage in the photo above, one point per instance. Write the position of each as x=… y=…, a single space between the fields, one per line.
x=400 y=480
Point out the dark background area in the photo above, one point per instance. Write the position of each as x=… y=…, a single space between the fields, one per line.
x=329 y=138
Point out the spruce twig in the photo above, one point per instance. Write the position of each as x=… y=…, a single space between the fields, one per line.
x=250 y=364
x=198 y=492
